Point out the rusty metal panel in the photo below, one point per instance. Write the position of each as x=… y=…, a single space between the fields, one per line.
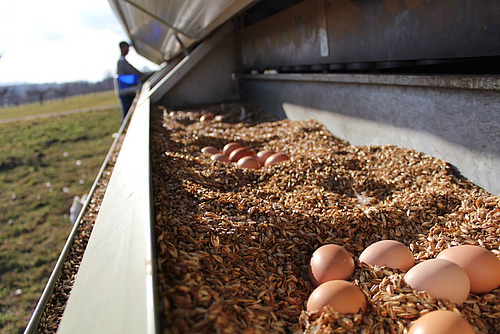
x=373 y=31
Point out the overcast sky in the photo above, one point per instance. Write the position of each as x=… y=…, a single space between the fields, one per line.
x=60 y=41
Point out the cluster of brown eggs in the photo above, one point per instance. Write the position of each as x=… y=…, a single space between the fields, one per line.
x=452 y=275
x=245 y=157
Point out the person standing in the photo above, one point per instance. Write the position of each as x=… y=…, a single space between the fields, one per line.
x=129 y=79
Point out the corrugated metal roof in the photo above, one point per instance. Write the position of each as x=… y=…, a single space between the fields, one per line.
x=156 y=27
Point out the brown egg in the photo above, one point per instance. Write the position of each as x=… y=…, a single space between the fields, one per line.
x=239 y=153
x=249 y=162
x=276 y=158
x=230 y=147
x=207 y=117
x=219 y=157
x=481 y=265
x=340 y=295
x=330 y=262
x=441 y=279
x=263 y=155
x=210 y=150
x=390 y=253
x=441 y=322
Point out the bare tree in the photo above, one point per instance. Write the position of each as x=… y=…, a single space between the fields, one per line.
x=40 y=93
x=62 y=91
x=3 y=94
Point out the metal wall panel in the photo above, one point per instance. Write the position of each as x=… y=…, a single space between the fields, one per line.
x=349 y=31
x=161 y=24
x=454 y=118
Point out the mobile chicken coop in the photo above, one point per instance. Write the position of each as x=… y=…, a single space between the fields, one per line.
x=380 y=74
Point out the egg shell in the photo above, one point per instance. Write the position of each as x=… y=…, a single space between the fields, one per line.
x=219 y=157
x=249 y=162
x=276 y=158
x=390 y=253
x=207 y=117
x=441 y=279
x=330 y=262
x=263 y=155
x=230 y=147
x=239 y=153
x=340 y=295
x=210 y=150
x=441 y=322
x=481 y=265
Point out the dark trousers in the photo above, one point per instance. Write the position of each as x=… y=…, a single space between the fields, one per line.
x=126 y=102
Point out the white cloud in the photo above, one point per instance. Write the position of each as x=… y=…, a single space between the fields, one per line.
x=60 y=41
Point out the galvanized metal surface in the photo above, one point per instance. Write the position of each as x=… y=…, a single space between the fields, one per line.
x=114 y=287
x=155 y=27
x=474 y=82
x=191 y=80
x=372 y=31
x=456 y=119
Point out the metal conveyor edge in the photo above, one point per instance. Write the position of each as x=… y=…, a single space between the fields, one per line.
x=34 y=321
x=113 y=290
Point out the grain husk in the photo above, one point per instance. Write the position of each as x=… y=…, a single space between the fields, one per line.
x=233 y=244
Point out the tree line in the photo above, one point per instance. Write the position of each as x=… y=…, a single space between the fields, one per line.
x=17 y=94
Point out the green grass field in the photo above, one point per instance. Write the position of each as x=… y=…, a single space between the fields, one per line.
x=71 y=103
x=44 y=163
